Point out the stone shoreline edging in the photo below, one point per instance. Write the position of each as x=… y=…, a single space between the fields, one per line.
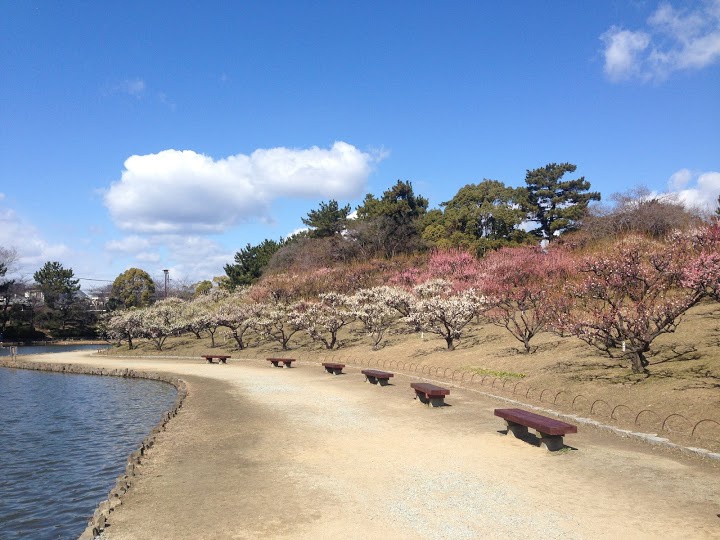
x=123 y=483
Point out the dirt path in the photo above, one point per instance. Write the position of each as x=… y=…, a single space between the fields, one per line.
x=261 y=452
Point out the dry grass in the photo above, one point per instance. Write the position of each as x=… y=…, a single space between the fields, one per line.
x=562 y=373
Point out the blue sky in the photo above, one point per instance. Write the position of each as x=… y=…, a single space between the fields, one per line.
x=170 y=134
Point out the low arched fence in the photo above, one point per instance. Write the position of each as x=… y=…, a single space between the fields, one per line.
x=580 y=404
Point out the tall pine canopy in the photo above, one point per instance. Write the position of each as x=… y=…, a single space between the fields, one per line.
x=328 y=220
x=56 y=283
x=556 y=205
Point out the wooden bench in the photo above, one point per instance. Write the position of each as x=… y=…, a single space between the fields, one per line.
x=277 y=361
x=335 y=369
x=374 y=376
x=550 y=431
x=429 y=394
x=222 y=358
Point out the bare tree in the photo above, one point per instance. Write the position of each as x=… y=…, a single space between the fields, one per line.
x=639 y=211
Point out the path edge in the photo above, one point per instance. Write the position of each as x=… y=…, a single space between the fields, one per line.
x=124 y=482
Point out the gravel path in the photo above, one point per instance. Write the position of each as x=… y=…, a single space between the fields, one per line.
x=263 y=452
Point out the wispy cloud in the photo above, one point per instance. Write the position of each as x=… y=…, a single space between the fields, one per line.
x=672 y=40
x=128 y=245
x=33 y=250
x=134 y=87
x=182 y=191
x=194 y=256
x=163 y=98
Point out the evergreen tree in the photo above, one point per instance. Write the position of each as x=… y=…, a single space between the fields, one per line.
x=56 y=283
x=480 y=217
x=390 y=224
x=250 y=262
x=328 y=220
x=132 y=288
x=556 y=205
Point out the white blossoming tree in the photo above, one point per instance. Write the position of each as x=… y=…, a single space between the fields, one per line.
x=197 y=315
x=374 y=309
x=323 y=320
x=124 y=325
x=398 y=299
x=201 y=313
x=238 y=317
x=437 y=310
x=274 y=322
x=162 y=320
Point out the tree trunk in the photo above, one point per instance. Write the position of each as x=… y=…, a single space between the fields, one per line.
x=639 y=362
x=450 y=344
x=238 y=339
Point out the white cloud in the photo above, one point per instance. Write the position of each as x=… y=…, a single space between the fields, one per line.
x=193 y=257
x=33 y=251
x=129 y=244
x=702 y=193
x=622 y=52
x=2 y=196
x=297 y=231
x=673 y=40
x=183 y=191
x=680 y=179
x=148 y=257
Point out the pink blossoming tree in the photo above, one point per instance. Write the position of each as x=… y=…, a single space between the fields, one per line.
x=635 y=291
x=520 y=287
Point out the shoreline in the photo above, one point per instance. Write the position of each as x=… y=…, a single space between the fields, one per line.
x=124 y=482
x=264 y=410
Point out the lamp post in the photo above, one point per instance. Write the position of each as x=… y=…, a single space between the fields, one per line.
x=167 y=279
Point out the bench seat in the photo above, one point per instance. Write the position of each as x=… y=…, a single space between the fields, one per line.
x=277 y=361
x=430 y=394
x=550 y=430
x=335 y=369
x=222 y=358
x=375 y=376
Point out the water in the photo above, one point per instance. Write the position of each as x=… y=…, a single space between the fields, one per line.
x=64 y=439
x=46 y=349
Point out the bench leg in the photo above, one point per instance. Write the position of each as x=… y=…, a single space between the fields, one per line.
x=437 y=401
x=209 y=360
x=518 y=430
x=384 y=382
x=337 y=371
x=371 y=379
x=287 y=364
x=552 y=443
